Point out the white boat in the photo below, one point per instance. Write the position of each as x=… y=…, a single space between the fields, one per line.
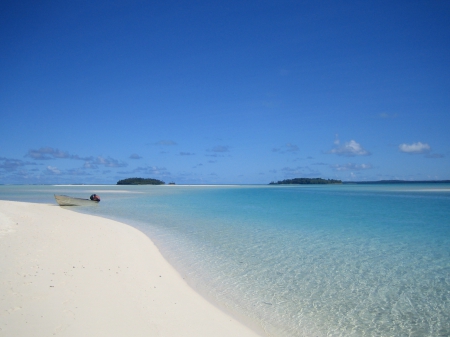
x=64 y=200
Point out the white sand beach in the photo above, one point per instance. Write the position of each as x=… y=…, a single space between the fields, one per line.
x=64 y=273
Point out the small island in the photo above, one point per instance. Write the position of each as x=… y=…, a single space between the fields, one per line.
x=140 y=181
x=400 y=182
x=304 y=181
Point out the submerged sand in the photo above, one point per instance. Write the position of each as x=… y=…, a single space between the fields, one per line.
x=64 y=273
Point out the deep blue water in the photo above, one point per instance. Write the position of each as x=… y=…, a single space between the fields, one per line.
x=334 y=260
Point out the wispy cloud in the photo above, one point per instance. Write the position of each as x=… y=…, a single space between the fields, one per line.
x=89 y=165
x=81 y=172
x=220 y=148
x=109 y=162
x=187 y=154
x=299 y=172
x=434 y=155
x=149 y=171
x=165 y=143
x=349 y=149
x=218 y=151
x=270 y=104
x=52 y=170
x=385 y=115
x=67 y=173
x=10 y=164
x=287 y=148
x=91 y=162
x=351 y=167
x=291 y=147
x=135 y=156
x=94 y=162
x=415 y=148
x=47 y=153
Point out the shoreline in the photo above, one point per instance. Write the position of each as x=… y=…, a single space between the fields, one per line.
x=66 y=273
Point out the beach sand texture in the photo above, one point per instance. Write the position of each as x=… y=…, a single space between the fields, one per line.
x=69 y=274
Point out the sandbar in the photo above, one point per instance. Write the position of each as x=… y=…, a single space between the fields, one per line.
x=64 y=273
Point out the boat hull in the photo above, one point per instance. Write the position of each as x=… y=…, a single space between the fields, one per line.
x=64 y=200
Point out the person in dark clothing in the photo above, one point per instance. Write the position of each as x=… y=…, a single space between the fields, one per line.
x=95 y=197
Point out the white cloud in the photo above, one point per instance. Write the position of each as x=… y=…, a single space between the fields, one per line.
x=337 y=141
x=150 y=170
x=107 y=162
x=415 y=148
x=53 y=170
x=349 y=149
x=299 y=171
x=89 y=165
x=351 y=167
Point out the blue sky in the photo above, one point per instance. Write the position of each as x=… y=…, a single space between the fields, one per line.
x=223 y=91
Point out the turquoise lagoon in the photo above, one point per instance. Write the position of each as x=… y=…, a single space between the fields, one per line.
x=332 y=260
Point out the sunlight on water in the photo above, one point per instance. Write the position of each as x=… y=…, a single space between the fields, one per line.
x=345 y=260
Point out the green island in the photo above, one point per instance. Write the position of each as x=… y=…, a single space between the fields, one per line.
x=140 y=181
x=399 y=182
x=306 y=181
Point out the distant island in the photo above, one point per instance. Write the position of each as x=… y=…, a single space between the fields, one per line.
x=306 y=181
x=140 y=181
x=399 y=182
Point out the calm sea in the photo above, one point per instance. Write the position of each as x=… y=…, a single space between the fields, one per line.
x=333 y=260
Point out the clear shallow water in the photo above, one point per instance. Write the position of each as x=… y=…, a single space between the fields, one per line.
x=345 y=260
